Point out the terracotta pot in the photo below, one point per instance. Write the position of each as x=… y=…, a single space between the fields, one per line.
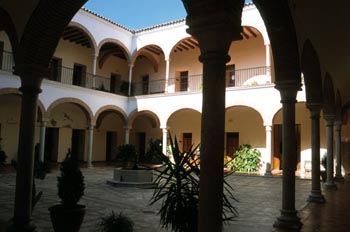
x=67 y=219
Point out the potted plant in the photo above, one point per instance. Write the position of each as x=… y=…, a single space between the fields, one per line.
x=177 y=187
x=68 y=216
x=116 y=223
x=246 y=159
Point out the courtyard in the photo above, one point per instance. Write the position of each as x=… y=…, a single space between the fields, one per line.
x=259 y=201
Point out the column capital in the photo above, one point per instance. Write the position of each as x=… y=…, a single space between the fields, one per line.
x=268 y=128
x=215 y=24
x=329 y=119
x=31 y=76
x=315 y=110
x=131 y=65
x=338 y=124
x=288 y=90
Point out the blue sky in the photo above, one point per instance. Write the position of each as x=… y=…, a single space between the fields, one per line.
x=137 y=14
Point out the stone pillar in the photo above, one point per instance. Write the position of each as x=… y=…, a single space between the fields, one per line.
x=90 y=145
x=316 y=193
x=31 y=78
x=330 y=166
x=288 y=218
x=268 y=61
x=268 y=129
x=215 y=24
x=42 y=140
x=127 y=135
x=94 y=67
x=130 y=78
x=338 y=175
x=167 y=67
x=165 y=140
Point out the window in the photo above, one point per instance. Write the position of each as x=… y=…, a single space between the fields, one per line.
x=230 y=75
x=79 y=75
x=55 y=69
x=184 y=81
x=145 y=84
x=115 y=83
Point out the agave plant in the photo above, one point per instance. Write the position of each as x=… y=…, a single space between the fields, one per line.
x=177 y=187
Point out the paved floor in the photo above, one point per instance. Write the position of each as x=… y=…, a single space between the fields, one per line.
x=258 y=206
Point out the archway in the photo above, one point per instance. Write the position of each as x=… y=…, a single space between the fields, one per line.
x=185 y=124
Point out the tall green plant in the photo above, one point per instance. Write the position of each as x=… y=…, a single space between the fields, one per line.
x=70 y=184
x=177 y=187
x=246 y=159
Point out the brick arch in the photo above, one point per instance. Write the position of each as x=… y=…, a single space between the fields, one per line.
x=41 y=109
x=310 y=65
x=39 y=40
x=7 y=24
x=154 y=118
x=86 y=109
x=88 y=33
x=103 y=111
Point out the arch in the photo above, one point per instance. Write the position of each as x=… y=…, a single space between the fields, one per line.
x=310 y=66
x=86 y=109
x=155 y=122
x=186 y=43
x=181 y=109
x=150 y=51
x=329 y=98
x=245 y=106
x=39 y=39
x=8 y=26
x=87 y=32
x=103 y=111
x=281 y=30
x=119 y=44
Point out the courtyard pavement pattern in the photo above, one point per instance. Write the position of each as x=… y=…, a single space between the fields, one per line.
x=259 y=202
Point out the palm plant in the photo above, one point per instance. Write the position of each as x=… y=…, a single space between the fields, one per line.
x=177 y=187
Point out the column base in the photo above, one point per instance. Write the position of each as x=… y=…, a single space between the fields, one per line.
x=268 y=174
x=339 y=178
x=20 y=228
x=288 y=220
x=316 y=197
x=330 y=185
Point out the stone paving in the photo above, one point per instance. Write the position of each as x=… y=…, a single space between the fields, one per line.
x=258 y=206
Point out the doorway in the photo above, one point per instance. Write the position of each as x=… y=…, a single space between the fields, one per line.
x=78 y=144
x=111 y=145
x=232 y=143
x=186 y=142
x=51 y=144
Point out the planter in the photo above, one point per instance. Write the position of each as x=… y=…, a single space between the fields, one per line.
x=67 y=220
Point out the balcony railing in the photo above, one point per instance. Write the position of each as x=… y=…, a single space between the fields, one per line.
x=78 y=77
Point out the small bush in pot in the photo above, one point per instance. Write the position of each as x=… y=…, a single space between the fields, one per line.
x=68 y=216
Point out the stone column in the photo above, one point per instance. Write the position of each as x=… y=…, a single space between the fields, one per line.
x=167 y=67
x=94 y=67
x=268 y=61
x=127 y=135
x=338 y=175
x=165 y=140
x=268 y=129
x=130 y=78
x=215 y=24
x=316 y=193
x=288 y=218
x=330 y=166
x=90 y=145
x=31 y=78
x=42 y=140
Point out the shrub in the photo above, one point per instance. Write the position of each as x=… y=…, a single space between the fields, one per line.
x=177 y=187
x=127 y=152
x=246 y=159
x=70 y=184
x=116 y=223
x=155 y=149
